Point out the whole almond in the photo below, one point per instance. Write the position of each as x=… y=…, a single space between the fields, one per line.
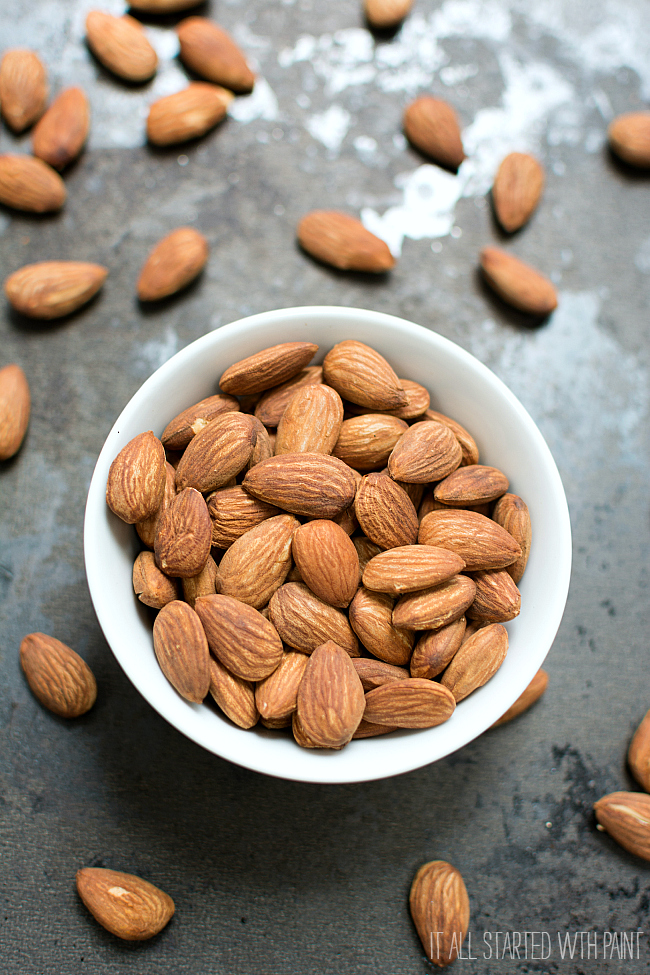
x=481 y=542
x=30 y=184
x=127 y=906
x=436 y=648
x=57 y=676
x=626 y=817
x=216 y=454
x=184 y=427
x=497 y=598
x=299 y=734
x=305 y=622
x=517 y=188
x=61 y=133
x=235 y=696
x=51 y=289
x=276 y=696
x=526 y=699
x=240 y=637
x=638 y=755
x=386 y=14
x=121 y=45
x=511 y=512
x=411 y=567
x=366 y=441
x=385 y=512
x=327 y=561
x=432 y=608
x=518 y=283
x=23 y=88
x=440 y=910
x=151 y=586
x=410 y=703
x=431 y=125
x=477 y=484
x=366 y=729
x=263 y=448
x=465 y=439
x=426 y=452
x=162 y=6
x=330 y=697
x=212 y=54
x=361 y=374
x=187 y=114
x=183 y=536
x=371 y=618
x=366 y=550
x=418 y=401
x=312 y=485
x=233 y=512
x=478 y=659
x=257 y=563
x=272 y=403
x=267 y=368
x=204 y=583
x=629 y=138
x=14 y=410
x=147 y=529
x=311 y=422
x=181 y=649
x=374 y=673
x=173 y=263
x=136 y=479
x=342 y=241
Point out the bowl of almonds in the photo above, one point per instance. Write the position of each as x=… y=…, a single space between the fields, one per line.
x=327 y=544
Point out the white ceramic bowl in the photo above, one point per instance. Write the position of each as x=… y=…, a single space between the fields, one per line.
x=461 y=387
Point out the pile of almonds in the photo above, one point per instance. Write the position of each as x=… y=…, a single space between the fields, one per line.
x=346 y=563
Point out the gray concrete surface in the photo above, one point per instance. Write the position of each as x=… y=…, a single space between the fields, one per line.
x=272 y=877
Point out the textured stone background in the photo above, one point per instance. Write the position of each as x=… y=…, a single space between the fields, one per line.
x=273 y=877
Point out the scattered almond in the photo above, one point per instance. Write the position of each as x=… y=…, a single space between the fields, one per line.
x=187 y=114
x=386 y=14
x=342 y=241
x=52 y=289
x=440 y=910
x=127 y=906
x=431 y=125
x=517 y=283
x=23 y=88
x=61 y=133
x=15 y=404
x=516 y=190
x=626 y=817
x=57 y=676
x=121 y=45
x=175 y=261
x=211 y=52
x=638 y=755
x=629 y=138
x=30 y=184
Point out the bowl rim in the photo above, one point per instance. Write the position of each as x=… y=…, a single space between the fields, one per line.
x=323 y=772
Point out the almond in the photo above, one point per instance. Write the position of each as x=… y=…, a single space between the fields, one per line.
x=211 y=52
x=366 y=441
x=257 y=563
x=51 y=289
x=386 y=14
x=366 y=550
x=272 y=404
x=477 y=484
x=276 y=696
x=233 y=512
x=267 y=368
x=184 y=427
x=638 y=755
x=327 y=561
x=432 y=608
x=311 y=422
x=173 y=263
x=371 y=618
x=626 y=817
x=183 y=536
x=411 y=567
x=330 y=697
x=57 y=676
x=216 y=454
x=187 y=114
x=526 y=699
x=374 y=673
x=14 y=410
x=61 y=133
x=181 y=649
x=385 y=512
x=516 y=190
x=440 y=910
x=478 y=659
x=136 y=479
x=23 y=88
x=342 y=241
x=481 y=542
x=517 y=283
x=127 y=906
x=121 y=45
x=629 y=138
x=240 y=637
x=511 y=512
x=410 y=703
x=465 y=439
x=147 y=529
x=235 y=696
x=497 y=598
x=299 y=735
x=263 y=448
x=435 y=649
x=360 y=374
x=418 y=401
x=305 y=622
x=161 y=6
x=204 y=583
x=30 y=184
x=431 y=125
x=312 y=485
x=366 y=729
x=151 y=586
x=427 y=452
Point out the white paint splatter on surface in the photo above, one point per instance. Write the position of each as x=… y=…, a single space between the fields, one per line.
x=330 y=127
x=150 y=356
x=261 y=103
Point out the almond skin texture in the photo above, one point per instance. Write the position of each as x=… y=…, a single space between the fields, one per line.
x=121 y=45
x=440 y=910
x=330 y=697
x=14 y=410
x=426 y=452
x=258 y=562
x=385 y=512
x=366 y=550
x=57 y=676
x=23 y=88
x=517 y=283
x=183 y=537
x=432 y=608
x=375 y=673
x=477 y=484
x=184 y=427
x=629 y=138
x=267 y=368
x=517 y=189
x=410 y=703
x=367 y=441
x=127 y=906
x=136 y=479
x=162 y=6
x=305 y=622
x=367 y=729
x=481 y=542
x=30 y=184
x=526 y=699
x=151 y=586
x=233 y=512
x=61 y=133
x=181 y=649
x=175 y=261
x=478 y=659
x=386 y=14
x=497 y=597
x=626 y=817
x=272 y=404
x=511 y=512
x=327 y=561
x=147 y=529
x=187 y=114
x=204 y=583
x=312 y=485
x=361 y=374
x=235 y=697
x=638 y=755
x=431 y=125
x=52 y=289
x=218 y=453
x=311 y=423
x=342 y=241
x=240 y=637
x=434 y=650
x=411 y=567
x=211 y=52
x=371 y=618
x=276 y=697
x=465 y=439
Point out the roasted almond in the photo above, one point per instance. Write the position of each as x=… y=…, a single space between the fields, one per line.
x=481 y=542
x=136 y=479
x=57 y=676
x=385 y=512
x=626 y=817
x=311 y=422
x=263 y=448
x=477 y=484
x=204 y=583
x=426 y=452
x=386 y=14
x=183 y=535
x=497 y=598
x=516 y=190
x=276 y=696
x=330 y=697
x=162 y=6
x=431 y=125
x=14 y=409
x=147 y=529
x=518 y=283
x=366 y=729
x=312 y=485
x=23 y=88
x=418 y=401
x=511 y=512
x=371 y=618
x=342 y=241
x=151 y=586
x=478 y=659
x=30 y=184
x=216 y=454
x=240 y=637
x=51 y=289
x=181 y=649
x=327 y=561
x=257 y=563
x=435 y=649
x=187 y=114
x=465 y=439
x=173 y=263
x=440 y=910
x=638 y=755
x=526 y=699
x=432 y=608
x=366 y=550
x=272 y=403
x=629 y=138
x=267 y=368
x=211 y=52
x=233 y=512
x=410 y=703
x=235 y=696
x=361 y=374
x=61 y=133
x=411 y=567
x=121 y=45
x=184 y=427
x=299 y=735
x=305 y=622
x=366 y=441
x=374 y=673
x=127 y=906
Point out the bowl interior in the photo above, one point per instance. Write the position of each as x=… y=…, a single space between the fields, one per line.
x=461 y=387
